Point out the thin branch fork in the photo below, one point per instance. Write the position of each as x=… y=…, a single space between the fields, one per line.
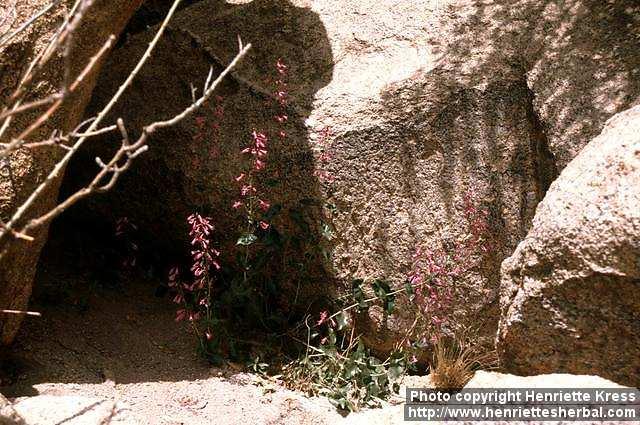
x=128 y=151
x=38 y=63
x=15 y=234
x=28 y=22
x=20 y=140
x=60 y=165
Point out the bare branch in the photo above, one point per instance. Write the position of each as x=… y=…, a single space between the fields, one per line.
x=112 y=170
x=94 y=133
x=108 y=172
x=206 y=95
x=57 y=169
x=15 y=234
x=31 y=105
x=38 y=62
x=26 y=313
x=7 y=19
x=18 y=141
x=208 y=81
x=71 y=29
x=123 y=131
x=28 y=23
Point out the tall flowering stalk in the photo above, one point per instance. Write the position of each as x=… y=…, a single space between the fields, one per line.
x=252 y=204
x=436 y=273
x=195 y=295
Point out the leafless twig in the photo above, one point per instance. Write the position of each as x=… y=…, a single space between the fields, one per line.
x=26 y=313
x=4 y=40
x=108 y=171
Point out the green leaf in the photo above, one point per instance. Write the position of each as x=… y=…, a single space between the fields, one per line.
x=380 y=288
x=389 y=304
x=383 y=291
x=358 y=294
x=395 y=372
x=409 y=289
x=332 y=337
x=342 y=319
x=350 y=370
x=247 y=239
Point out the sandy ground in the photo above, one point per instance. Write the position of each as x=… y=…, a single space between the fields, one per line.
x=121 y=345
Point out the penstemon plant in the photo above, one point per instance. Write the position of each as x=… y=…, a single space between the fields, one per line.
x=238 y=292
x=338 y=365
x=433 y=285
x=195 y=294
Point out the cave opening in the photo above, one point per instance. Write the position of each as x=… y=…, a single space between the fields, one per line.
x=101 y=281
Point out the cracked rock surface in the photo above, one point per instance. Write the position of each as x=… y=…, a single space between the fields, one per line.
x=493 y=98
x=570 y=300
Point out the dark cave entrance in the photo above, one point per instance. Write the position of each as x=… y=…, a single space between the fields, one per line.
x=127 y=240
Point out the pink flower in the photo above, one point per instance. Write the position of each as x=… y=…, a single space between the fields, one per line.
x=264 y=225
x=259 y=164
x=240 y=177
x=247 y=189
x=260 y=139
x=264 y=205
x=237 y=204
x=282 y=68
x=181 y=315
x=324 y=315
x=174 y=275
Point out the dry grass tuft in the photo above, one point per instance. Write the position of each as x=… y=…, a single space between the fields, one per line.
x=455 y=360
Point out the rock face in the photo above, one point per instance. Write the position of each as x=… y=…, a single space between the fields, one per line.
x=389 y=125
x=8 y=415
x=26 y=169
x=570 y=299
x=484 y=379
x=72 y=409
